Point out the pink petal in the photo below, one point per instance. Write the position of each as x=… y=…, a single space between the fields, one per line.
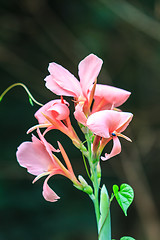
x=47 y=145
x=48 y=193
x=34 y=157
x=107 y=97
x=79 y=114
x=66 y=159
x=126 y=117
x=60 y=111
x=62 y=81
x=115 y=150
x=104 y=123
x=89 y=69
x=43 y=125
x=52 y=85
x=48 y=129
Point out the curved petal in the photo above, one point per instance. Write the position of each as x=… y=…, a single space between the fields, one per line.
x=103 y=123
x=66 y=159
x=53 y=86
x=48 y=129
x=89 y=69
x=79 y=114
x=48 y=193
x=115 y=150
x=47 y=145
x=34 y=157
x=62 y=81
x=126 y=117
x=60 y=111
x=107 y=97
x=47 y=125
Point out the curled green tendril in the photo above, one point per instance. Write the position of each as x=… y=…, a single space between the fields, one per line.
x=31 y=98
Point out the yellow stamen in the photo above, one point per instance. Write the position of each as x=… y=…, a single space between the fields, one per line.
x=123 y=136
x=38 y=126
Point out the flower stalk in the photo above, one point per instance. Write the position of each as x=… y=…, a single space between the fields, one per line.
x=100 y=121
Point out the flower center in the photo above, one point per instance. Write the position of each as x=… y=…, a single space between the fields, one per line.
x=81 y=100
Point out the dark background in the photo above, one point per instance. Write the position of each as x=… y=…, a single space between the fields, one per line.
x=126 y=35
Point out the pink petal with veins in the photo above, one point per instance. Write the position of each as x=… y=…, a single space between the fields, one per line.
x=62 y=81
x=107 y=97
x=53 y=86
x=34 y=157
x=115 y=150
x=125 y=120
x=89 y=69
x=104 y=123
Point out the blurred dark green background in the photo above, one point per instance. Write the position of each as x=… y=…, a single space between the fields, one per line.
x=126 y=35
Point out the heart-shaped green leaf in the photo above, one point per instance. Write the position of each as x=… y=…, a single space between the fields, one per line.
x=127 y=238
x=124 y=196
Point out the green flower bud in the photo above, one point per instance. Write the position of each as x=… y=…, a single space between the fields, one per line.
x=86 y=188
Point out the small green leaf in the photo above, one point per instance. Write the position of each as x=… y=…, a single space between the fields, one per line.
x=124 y=196
x=30 y=101
x=127 y=238
x=104 y=225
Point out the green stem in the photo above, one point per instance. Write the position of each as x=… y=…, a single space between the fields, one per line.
x=85 y=164
x=102 y=205
x=31 y=98
x=94 y=179
x=96 y=195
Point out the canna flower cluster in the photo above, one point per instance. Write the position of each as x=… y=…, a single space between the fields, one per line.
x=96 y=111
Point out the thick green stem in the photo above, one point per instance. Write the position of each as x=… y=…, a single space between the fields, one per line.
x=102 y=205
x=94 y=179
x=96 y=195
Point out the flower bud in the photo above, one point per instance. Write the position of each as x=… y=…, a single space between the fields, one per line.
x=86 y=188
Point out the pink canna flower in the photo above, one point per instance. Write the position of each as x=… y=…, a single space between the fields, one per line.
x=55 y=115
x=108 y=124
x=105 y=98
x=37 y=156
x=56 y=110
x=62 y=82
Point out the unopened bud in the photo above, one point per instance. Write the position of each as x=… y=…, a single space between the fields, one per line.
x=82 y=181
x=86 y=188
